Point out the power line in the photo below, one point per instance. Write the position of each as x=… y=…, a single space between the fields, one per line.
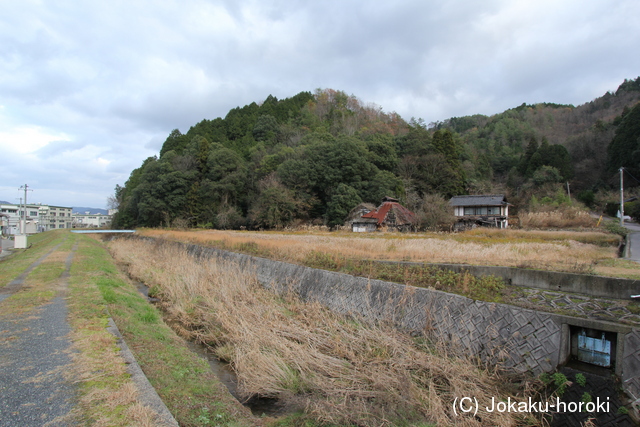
x=625 y=170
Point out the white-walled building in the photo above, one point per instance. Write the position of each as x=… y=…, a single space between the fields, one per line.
x=58 y=217
x=91 y=220
x=38 y=218
x=13 y=214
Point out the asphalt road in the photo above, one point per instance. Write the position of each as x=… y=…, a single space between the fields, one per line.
x=633 y=251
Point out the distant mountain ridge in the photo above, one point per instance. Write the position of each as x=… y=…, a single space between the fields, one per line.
x=93 y=211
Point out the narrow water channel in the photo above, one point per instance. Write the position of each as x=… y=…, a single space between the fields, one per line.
x=258 y=405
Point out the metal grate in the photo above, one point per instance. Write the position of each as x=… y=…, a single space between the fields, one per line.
x=596 y=351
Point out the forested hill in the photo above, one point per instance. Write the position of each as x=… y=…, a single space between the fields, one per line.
x=315 y=156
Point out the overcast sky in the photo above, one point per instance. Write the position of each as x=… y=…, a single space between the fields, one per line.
x=90 y=89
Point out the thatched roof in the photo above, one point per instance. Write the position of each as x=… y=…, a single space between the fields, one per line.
x=357 y=212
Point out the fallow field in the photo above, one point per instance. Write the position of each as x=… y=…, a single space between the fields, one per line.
x=587 y=252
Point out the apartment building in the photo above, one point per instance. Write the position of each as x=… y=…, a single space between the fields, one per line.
x=91 y=220
x=38 y=218
x=55 y=217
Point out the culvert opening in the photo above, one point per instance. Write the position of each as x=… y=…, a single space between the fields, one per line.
x=593 y=349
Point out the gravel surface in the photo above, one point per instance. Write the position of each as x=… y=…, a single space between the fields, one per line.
x=35 y=362
x=36 y=383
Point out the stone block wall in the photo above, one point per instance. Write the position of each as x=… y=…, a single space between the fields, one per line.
x=631 y=364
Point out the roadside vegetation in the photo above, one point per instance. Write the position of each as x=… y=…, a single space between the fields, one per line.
x=108 y=396
x=338 y=370
x=96 y=291
x=183 y=380
x=41 y=244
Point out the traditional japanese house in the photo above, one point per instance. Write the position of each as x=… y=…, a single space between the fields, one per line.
x=489 y=211
x=390 y=215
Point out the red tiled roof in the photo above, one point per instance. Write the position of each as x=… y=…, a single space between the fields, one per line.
x=380 y=214
x=403 y=215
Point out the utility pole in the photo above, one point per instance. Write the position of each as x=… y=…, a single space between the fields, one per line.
x=621 y=198
x=20 y=241
x=23 y=229
x=19 y=218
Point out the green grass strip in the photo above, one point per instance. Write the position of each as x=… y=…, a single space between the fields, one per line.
x=184 y=381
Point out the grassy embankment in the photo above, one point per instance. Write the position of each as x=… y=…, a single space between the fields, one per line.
x=342 y=370
x=96 y=290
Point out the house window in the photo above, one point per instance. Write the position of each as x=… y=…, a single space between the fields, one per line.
x=493 y=210
x=33 y=213
x=478 y=210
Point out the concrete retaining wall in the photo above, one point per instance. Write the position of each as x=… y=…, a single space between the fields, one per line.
x=596 y=286
x=521 y=340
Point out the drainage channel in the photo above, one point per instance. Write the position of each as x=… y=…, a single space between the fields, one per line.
x=259 y=406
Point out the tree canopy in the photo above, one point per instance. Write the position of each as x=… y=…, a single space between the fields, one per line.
x=315 y=156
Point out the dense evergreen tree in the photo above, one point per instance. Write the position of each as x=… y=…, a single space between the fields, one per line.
x=624 y=150
x=342 y=201
x=532 y=148
x=313 y=157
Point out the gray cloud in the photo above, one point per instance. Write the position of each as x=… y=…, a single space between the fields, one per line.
x=88 y=90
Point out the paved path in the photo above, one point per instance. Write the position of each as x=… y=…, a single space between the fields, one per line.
x=37 y=387
x=35 y=361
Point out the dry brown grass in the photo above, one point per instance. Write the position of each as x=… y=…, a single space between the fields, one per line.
x=552 y=250
x=97 y=363
x=567 y=217
x=344 y=370
x=108 y=396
